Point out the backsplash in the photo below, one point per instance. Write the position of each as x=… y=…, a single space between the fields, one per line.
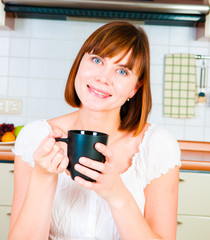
x=36 y=57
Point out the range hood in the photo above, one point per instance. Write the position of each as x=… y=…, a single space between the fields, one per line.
x=158 y=12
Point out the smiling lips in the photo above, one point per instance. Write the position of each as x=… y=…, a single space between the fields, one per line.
x=98 y=93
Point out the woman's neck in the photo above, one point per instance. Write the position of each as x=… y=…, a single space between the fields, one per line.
x=107 y=122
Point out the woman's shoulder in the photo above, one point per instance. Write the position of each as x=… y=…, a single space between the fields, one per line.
x=159 y=152
x=158 y=137
x=29 y=139
x=34 y=128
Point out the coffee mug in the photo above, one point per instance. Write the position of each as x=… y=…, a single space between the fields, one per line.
x=81 y=143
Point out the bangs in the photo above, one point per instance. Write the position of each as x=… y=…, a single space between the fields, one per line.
x=115 y=42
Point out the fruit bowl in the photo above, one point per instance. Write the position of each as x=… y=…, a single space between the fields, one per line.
x=6 y=146
x=8 y=133
x=7 y=143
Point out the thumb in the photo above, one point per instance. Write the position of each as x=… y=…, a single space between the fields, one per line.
x=104 y=150
x=55 y=134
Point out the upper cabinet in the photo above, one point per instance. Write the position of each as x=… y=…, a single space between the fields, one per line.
x=155 y=12
x=6 y=19
x=203 y=29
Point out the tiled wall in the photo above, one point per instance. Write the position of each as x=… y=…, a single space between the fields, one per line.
x=36 y=57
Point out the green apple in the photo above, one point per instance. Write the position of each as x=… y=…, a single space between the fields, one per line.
x=17 y=130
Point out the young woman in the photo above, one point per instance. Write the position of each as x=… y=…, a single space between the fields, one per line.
x=135 y=195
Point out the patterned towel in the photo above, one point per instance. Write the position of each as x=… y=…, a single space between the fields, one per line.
x=180 y=86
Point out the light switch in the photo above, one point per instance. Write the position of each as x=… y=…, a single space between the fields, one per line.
x=10 y=106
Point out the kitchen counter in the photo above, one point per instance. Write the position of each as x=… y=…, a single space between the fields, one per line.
x=194 y=155
x=6 y=155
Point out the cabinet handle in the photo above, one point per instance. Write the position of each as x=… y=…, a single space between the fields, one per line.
x=181 y=180
x=11 y=171
x=179 y=223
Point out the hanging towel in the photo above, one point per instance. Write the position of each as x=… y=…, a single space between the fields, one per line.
x=180 y=86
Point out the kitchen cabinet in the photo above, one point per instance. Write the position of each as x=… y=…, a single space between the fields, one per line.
x=203 y=29
x=6 y=189
x=6 y=19
x=194 y=206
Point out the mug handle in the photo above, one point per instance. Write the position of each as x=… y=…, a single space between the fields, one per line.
x=66 y=140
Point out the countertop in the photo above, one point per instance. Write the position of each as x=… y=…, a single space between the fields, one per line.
x=194 y=155
x=6 y=155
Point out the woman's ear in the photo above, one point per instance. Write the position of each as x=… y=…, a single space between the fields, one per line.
x=135 y=90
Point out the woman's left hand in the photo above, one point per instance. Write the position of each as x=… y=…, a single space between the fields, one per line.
x=108 y=183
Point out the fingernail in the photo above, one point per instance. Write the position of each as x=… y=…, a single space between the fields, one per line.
x=78 y=180
x=77 y=166
x=63 y=164
x=82 y=160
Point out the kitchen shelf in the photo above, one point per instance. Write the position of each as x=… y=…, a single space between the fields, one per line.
x=194 y=146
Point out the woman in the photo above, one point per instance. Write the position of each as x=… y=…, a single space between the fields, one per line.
x=135 y=195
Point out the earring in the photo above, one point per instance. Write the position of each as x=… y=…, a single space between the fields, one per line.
x=128 y=99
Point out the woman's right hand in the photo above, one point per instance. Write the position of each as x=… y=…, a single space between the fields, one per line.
x=49 y=158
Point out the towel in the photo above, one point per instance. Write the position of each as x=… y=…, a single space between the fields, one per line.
x=180 y=86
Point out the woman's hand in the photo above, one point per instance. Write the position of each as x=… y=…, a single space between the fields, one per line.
x=49 y=158
x=109 y=184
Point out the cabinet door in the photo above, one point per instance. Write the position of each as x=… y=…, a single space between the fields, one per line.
x=193 y=228
x=194 y=194
x=4 y=222
x=6 y=186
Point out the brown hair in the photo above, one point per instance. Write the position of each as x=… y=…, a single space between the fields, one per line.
x=108 y=41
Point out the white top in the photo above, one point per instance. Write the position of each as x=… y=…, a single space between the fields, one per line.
x=79 y=213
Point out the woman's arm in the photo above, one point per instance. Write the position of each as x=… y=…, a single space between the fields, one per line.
x=34 y=191
x=159 y=221
x=22 y=173
x=161 y=204
x=32 y=203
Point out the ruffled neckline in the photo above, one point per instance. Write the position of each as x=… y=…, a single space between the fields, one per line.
x=135 y=158
x=141 y=146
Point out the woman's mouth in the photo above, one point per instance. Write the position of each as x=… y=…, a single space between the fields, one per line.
x=98 y=93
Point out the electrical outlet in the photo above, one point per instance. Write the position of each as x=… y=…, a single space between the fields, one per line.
x=10 y=106
x=2 y=106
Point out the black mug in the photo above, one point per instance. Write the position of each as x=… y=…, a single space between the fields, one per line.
x=81 y=143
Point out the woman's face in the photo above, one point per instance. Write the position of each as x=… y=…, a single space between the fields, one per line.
x=102 y=84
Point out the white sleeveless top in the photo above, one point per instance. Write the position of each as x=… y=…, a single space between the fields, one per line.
x=80 y=214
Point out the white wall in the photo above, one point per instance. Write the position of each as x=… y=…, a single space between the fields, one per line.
x=36 y=57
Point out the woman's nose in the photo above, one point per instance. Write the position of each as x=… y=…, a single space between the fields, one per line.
x=106 y=76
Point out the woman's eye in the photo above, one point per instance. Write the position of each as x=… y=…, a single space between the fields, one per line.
x=97 y=60
x=122 y=72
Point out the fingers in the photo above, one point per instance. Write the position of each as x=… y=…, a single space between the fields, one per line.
x=84 y=183
x=50 y=155
x=63 y=165
x=94 y=169
x=87 y=172
x=104 y=150
x=99 y=166
x=47 y=144
x=56 y=156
